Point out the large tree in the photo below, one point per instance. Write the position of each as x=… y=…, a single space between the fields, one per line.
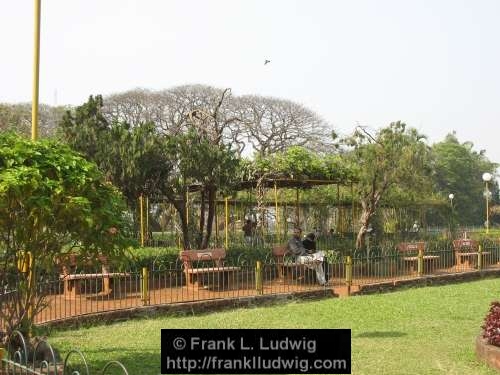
x=17 y=117
x=265 y=124
x=211 y=168
x=394 y=158
x=272 y=125
x=178 y=109
x=134 y=158
x=458 y=170
x=143 y=159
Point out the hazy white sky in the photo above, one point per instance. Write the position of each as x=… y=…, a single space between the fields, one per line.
x=433 y=64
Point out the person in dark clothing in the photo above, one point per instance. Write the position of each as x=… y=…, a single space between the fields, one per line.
x=310 y=243
x=248 y=231
x=313 y=261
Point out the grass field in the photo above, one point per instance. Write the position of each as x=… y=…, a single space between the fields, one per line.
x=417 y=331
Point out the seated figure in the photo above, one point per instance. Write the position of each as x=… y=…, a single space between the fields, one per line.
x=313 y=260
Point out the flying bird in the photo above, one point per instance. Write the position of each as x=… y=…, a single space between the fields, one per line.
x=266 y=62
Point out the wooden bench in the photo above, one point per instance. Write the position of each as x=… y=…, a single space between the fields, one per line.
x=288 y=269
x=215 y=276
x=467 y=252
x=412 y=251
x=72 y=280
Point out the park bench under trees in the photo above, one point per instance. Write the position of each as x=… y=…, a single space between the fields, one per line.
x=288 y=268
x=467 y=252
x=72 y=280
x=411 y=252
x=206 y=269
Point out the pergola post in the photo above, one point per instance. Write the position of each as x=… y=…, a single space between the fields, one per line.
x=277 y=229
x=297 y=207
x=226 y=227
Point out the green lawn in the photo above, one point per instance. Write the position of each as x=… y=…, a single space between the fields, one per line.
x=418 y=331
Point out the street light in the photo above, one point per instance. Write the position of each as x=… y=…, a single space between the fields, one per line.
x=36 y=73
x=451 y=196
x=487 y=195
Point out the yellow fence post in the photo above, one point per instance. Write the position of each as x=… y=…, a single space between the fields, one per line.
x=420 y=262
x=145 y=286
x=277 y=228
x=480 y=258
x=25 y=263
x=226 y=228
x=146 y=234
x=141 y=212
x=348 y=274
x=258 y=278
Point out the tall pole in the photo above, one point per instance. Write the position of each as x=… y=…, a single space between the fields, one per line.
x=147 y=219
x=487 y=209
x=36 y=73
x=187 y=206
x=141 y=220
x=297 y=208
x=277 y=211
x=226 y=227
x=352 y=208
x=486 y=178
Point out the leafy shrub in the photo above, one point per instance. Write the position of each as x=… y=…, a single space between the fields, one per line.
x=247 y=255
x=491 y=325
x=154 y=257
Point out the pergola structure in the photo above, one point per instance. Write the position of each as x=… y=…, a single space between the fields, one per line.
x=265 y=183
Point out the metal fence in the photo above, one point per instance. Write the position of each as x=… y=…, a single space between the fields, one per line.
x=37 y=357
x=79 y=294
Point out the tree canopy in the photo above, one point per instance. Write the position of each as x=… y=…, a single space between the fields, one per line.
x=51 y=201
x=142 y=159
x=458 y=170
x=395 y=157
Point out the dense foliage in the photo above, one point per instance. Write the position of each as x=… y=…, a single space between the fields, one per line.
x=396 y=158
x=458 y=170
x=298 y=163
x=52 y=201
x=491 y=325
x=142 y=160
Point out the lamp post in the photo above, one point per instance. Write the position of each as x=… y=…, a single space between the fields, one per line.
x=487 y=195
x=36 y=73
x=451 y=196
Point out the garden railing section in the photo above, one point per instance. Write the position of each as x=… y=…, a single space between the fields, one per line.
x=83 y=294
x=22 y=356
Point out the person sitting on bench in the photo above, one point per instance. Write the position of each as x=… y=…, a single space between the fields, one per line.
x=314 y=261
x=310 y=243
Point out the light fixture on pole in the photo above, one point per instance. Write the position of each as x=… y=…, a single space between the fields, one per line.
x=451 y=196
x=487 y=195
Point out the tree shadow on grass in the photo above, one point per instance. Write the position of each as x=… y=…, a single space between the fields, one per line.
x=381 y=334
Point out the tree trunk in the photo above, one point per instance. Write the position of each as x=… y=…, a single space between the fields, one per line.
x=211 y=215
x=181 y=209
x=200 y=240
x=366 y=216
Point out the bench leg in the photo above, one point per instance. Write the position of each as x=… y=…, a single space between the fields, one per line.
x=106 y=290
x=281 y=273
x=71 y=289
x=191 y=280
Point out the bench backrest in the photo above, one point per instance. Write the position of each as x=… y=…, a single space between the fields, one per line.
x=414 y=247
x=190 y=257
x=465 y=245
x=279 y=253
